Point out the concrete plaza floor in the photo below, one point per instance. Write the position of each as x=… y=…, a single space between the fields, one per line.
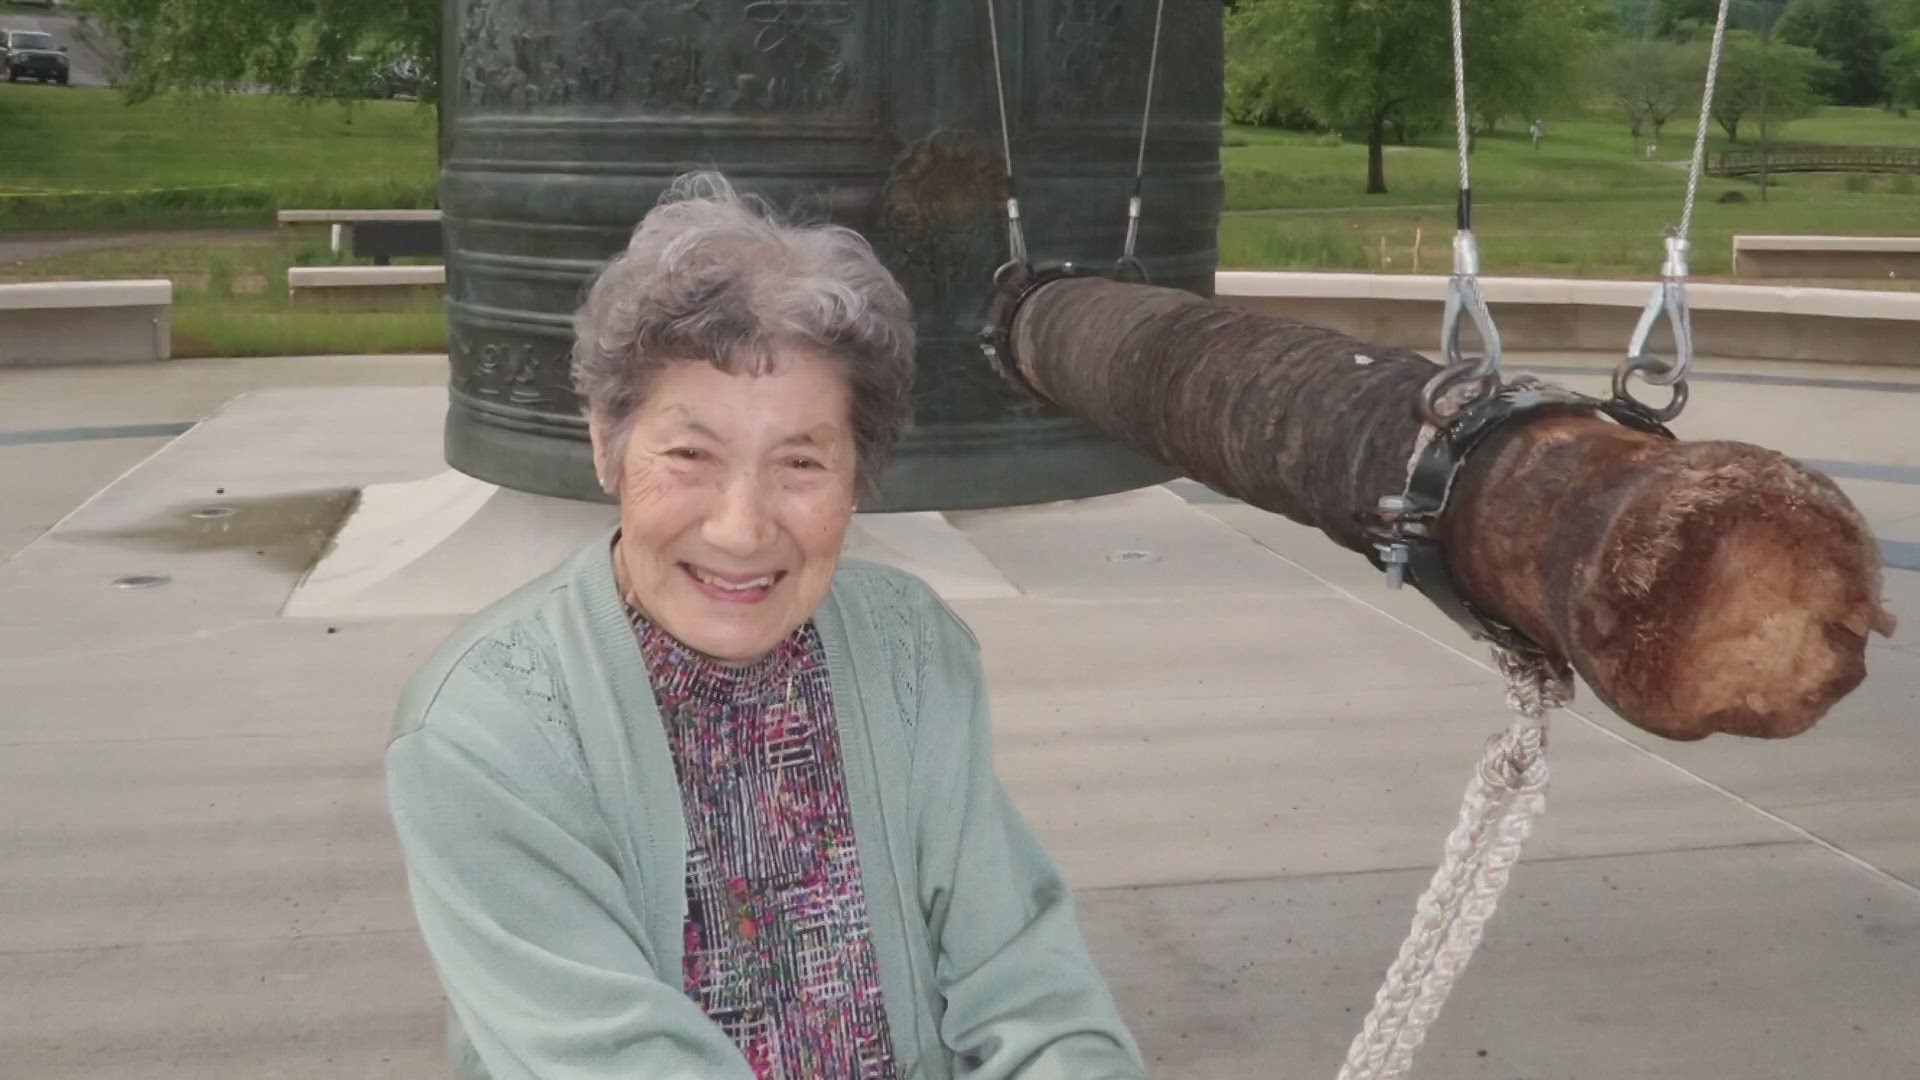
x=1244 y=751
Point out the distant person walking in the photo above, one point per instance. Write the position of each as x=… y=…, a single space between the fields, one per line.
x=1536 y=131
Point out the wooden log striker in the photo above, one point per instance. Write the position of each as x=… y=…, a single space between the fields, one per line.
x=1697 y=587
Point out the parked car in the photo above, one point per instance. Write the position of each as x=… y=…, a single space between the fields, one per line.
x=31 y=54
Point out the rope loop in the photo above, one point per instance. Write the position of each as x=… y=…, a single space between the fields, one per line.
x=1516 y=761
x=1507 y=792
x=1623 y=391
x=1129 y=268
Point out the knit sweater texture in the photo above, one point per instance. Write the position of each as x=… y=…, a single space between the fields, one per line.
x=534 y=793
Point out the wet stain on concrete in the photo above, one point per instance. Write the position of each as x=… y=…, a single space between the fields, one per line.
x=290 y=531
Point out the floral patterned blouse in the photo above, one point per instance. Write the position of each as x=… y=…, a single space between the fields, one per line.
x=778 y=946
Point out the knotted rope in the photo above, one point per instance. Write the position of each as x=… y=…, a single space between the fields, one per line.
x=1507 y=792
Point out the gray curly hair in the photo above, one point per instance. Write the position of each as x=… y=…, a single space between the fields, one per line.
x=716 y=276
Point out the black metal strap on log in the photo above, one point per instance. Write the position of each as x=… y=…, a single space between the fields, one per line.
x=1013 y=283
x=1404 y=546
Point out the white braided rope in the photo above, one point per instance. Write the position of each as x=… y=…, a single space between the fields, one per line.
x=1507 y=791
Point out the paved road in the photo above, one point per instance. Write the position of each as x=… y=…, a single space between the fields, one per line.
x=91 y=67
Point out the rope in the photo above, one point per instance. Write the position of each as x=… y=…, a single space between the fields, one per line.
x=1460 y=115
x=1669 y=298
x=1016 y=240
x=1140 y=161
x=1464 y=300
x=1507 y=792
x=1706 y=114
x=1146 y=108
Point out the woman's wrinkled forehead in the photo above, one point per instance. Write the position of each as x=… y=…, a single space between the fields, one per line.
x=803 y=403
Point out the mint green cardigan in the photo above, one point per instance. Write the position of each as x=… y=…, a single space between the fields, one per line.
x=537 y=804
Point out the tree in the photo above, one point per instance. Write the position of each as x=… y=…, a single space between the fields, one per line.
x=1784 y=76
x=1354 y=62
x=1852 y=36
x=1527 y=61
x=1678 y=19
x=1379 y=64
x=313 y=48
x=1692 y=20
x=1259 y=90
x=1902 y=67
x=1650 y=82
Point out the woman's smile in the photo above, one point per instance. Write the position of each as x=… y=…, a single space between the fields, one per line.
x=733 y=588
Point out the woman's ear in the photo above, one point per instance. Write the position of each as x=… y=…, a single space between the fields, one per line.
x=605 y=469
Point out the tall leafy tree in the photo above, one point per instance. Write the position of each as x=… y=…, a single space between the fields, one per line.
x=1688 y=20
x=1677 y=18
x=1379 y=64
x=1650 y=82
x=1852 y=36
x=1779 y=78
x=313 y=48
x=1902 y=16
x=1361 y=63
x=1902 y=67
x=1529 y=59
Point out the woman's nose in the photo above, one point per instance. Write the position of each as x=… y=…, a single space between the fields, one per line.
x=739 y=523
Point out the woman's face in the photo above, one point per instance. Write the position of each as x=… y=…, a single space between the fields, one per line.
x=735 y=494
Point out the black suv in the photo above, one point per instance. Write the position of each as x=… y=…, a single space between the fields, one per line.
x=30 y=54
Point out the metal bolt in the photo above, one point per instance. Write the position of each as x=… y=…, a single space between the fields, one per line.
x=1395 y=556
x=1133 y=556
x=212 y=513
x=1393 y=504
x=142 y=581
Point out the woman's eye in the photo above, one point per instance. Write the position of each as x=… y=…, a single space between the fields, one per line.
x=686 y=453
x=804 y=463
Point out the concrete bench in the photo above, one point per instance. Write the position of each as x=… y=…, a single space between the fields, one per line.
x=343 y=221
x=364 y=286
x=1879 y=257
x=1758 y=322
x=86 y=322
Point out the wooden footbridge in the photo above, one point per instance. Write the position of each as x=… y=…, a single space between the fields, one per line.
x=1816 y=159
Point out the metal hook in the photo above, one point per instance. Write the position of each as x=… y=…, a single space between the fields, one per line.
x=1463 y=298
x=1669 y=298
x=1128 y=262
x=1016 y=236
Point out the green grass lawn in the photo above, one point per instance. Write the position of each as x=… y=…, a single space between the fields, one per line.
x=230 y=297
x=1587 y=203
x=1617 y=237
x=74 y=157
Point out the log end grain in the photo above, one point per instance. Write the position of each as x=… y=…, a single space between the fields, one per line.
x=1697 y=587
x=1749 y=585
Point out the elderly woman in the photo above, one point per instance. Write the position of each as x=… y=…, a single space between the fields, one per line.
x=708 y=800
